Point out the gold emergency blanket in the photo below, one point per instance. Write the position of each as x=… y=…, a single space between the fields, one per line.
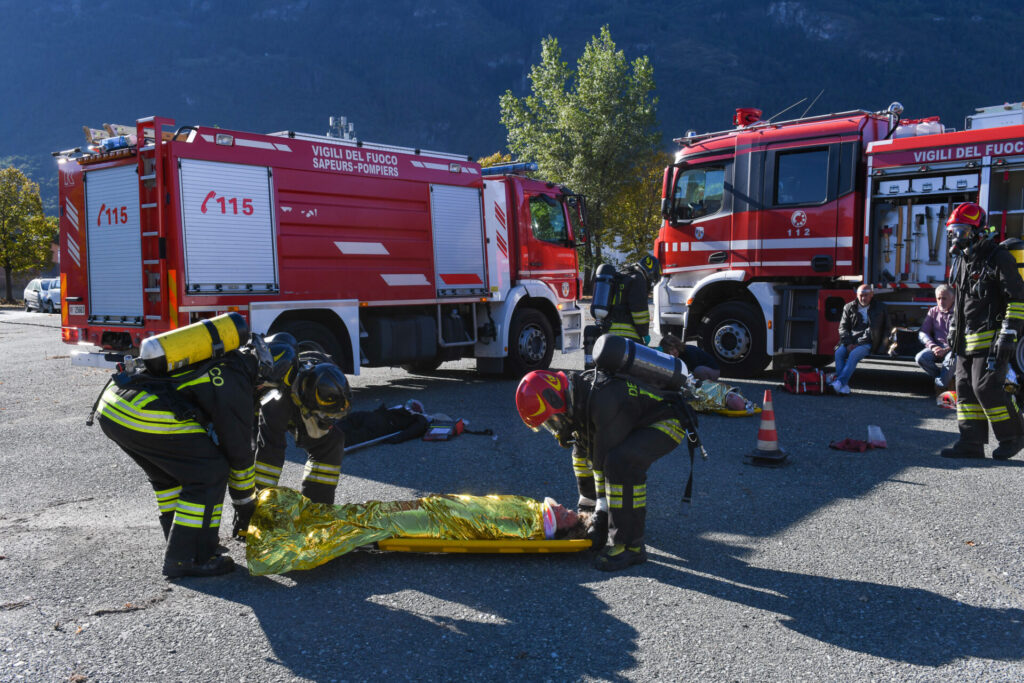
x=710 y=397
x=288 y=531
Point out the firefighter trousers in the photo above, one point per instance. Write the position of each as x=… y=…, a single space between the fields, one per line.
x=324 y=454
x=981 y=399
x=625 y=472
x=189 y=475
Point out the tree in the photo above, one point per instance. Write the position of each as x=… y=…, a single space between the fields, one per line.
x=637 y=209
x=495 y=159
x=25 y=233
x=586 y=128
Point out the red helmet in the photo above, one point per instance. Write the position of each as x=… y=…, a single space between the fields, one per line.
x=541 y=397
x=966 y=223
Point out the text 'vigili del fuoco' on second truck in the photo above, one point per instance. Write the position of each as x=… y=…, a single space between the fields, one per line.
x=770 y=226
x=383 y=255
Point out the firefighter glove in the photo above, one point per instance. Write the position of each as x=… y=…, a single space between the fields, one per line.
x=243 y=513
x=597 y=532
x=1006 y=345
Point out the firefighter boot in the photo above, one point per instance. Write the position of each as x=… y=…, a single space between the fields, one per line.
x=620 y=557
x=1008 y=448
x=183 y=545
x=964 y=449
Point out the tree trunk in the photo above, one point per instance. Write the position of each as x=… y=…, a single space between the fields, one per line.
x=7 y=276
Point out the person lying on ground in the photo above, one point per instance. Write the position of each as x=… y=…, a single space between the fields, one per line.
x=288 y=531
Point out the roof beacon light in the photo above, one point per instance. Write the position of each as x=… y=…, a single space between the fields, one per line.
x=746 y=116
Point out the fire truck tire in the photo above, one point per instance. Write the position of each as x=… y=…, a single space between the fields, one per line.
x=734 y=333
x=307 y=330
x=531 y=342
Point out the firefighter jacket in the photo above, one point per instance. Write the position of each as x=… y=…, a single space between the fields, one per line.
x=603 y=410
x=853 y=329
x=215 y=399
x=629 y=316
x=989 y=296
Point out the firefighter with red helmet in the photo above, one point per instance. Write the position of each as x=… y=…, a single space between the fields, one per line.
x=987 y=322
x=617 y=428
x=310 y=398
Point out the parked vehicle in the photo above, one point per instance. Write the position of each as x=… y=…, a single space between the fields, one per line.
x=384 y=255
x=35 y=294
x=770 y=226
x=51 y=296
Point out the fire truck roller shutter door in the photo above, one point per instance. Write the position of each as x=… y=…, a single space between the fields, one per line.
x=734 y=333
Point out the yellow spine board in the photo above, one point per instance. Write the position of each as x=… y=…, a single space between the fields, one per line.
x=193 y=343
x=504 y=546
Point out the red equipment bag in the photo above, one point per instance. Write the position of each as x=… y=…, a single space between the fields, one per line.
x=804 y=379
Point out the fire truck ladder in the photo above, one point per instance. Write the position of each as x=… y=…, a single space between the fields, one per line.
x=159 y=300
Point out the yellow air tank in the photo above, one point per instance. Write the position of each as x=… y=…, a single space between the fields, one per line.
x=194 y=343
x=1016 y=247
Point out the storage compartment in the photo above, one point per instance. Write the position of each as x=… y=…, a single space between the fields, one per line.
x=893 y=186
x=927 y=184
x=962 y=183
x=393 y=341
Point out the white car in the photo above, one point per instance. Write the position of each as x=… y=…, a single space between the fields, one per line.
x=51 y=296
x=43 y=294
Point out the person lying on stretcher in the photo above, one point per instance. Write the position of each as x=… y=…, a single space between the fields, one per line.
x=288 y=531
x=709 y=394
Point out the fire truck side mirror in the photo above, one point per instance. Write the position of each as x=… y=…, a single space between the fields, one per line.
x=578 y=210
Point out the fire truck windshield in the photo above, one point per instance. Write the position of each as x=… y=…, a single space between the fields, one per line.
x=698 y=192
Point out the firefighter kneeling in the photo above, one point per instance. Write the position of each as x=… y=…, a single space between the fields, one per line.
x=617 y=428
x=989 y=289
x=191 y=432
x=308 y=403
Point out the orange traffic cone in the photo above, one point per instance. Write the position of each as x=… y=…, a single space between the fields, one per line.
x=767 y=453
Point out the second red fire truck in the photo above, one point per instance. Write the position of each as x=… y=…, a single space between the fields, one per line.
x=770 y=226
x=383 y=255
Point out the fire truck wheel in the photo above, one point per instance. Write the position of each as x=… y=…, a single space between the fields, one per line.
x=307 y=330
x=734 y=333
x=531 y=343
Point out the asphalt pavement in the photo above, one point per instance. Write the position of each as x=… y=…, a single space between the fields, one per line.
x=893 y=564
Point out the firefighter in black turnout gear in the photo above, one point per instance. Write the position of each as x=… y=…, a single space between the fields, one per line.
x=310 y=399
x=191 y=432
x=987 y=322
x=617 y=428
x=619 y=305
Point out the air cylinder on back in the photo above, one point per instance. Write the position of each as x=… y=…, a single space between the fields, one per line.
x=603 y=281
x=650 y=366
x=194 y=343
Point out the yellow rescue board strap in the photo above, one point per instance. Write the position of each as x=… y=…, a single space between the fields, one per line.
x=506 y=546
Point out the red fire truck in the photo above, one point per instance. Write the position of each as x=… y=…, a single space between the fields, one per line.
x=384 y=255
x=770 y=226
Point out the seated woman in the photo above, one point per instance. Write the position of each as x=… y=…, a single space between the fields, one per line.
x=288 y=531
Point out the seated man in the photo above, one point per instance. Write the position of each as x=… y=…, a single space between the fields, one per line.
x=701 y=364
x=288 y=531
x=859 y=327
x=935 y=358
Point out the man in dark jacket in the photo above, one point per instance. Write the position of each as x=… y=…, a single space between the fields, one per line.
x=617 y=429
x=987 y=321
x=859 y=327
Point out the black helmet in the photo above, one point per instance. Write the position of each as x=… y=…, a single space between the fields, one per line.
x=283 y=370
x=323 y=390
x=281 y=338
x=651 y=269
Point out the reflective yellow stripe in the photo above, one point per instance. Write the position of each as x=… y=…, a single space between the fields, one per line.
x=642 y=318
x=205 y=379
x=130 y=415
x=242 y=479
x=321 y=473
x=1015 y=310
x=672 y=429
x=970 y=411
x=979 y=340
x=167 y=499
x=624 y=330
x=640 y=496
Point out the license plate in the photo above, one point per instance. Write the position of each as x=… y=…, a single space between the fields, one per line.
x=76 y=309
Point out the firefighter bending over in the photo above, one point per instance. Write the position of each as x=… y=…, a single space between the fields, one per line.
x=617 y=428
x=308 y=402
x=191 y=433
x=987 y=321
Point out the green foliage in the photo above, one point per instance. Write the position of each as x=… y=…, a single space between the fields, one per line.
x=586 y=128
x=637 y=212
x=495 y=159
x=25 y=233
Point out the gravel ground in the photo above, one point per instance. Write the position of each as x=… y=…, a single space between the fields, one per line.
x=888 y=565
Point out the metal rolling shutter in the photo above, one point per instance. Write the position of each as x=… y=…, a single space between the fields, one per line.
x=227 y=220
x=115 y=245
x=458 y=240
